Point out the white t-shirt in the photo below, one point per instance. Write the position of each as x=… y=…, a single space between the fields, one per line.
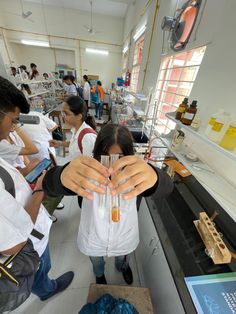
x=71 y=90
x=86 y=91
x=88 y=142
x=19 y=161
x=15 y=223
x=40 y=135
x=9 y=152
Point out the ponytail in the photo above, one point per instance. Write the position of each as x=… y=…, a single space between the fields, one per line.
x=91 y=122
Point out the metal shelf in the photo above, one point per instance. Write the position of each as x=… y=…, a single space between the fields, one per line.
x=39 y=93
x=219 y=188
x=202 y=137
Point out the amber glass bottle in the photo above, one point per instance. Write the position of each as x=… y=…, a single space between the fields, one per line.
x=190 y=113
x=182 y=108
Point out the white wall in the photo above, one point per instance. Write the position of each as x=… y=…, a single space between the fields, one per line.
x=215 y=85
x=67 y=32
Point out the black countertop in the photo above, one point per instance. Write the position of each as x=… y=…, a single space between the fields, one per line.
x=184 y=250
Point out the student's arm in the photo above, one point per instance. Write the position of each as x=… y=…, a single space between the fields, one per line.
x=34 y=203
x=29 y=148
x=55 y=143
x=14 y=249
x=76 y=177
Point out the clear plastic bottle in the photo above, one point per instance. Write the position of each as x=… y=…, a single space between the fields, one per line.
x=212 y=120
x=219 y=127
x=229 y=139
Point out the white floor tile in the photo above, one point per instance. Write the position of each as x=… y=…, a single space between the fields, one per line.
x=68 y=302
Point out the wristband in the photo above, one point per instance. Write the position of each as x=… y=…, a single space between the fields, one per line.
x=39 y=190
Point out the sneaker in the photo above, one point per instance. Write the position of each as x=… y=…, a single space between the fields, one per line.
x=62 y=283
x=95 y=116
x=60 y=206
x=128 y=275
x=54 y=219
x=101 y=280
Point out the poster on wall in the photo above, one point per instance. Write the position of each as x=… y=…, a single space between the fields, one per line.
x=213 y=294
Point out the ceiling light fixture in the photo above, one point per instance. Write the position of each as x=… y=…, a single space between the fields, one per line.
x=35 y=43
x=98 y=51
x=126 y=48
x=139 y=32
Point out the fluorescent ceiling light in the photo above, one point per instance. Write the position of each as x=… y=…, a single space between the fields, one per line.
x=125 y=49
x=102 y=52
x=35 y=43
x=139 y=32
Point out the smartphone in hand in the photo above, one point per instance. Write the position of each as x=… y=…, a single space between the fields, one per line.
x=37 y=171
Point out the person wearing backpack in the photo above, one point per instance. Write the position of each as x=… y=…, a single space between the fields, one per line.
x=98 y=98
x=70 y=88
x=22 y=212
x=83 y=135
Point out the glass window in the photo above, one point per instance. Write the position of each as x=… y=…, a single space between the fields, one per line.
x=138 y=55
x=175 y=81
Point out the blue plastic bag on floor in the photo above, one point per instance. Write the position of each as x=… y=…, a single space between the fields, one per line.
x=109 y=305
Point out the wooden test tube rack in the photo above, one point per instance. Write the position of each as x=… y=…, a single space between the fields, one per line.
x=218 y=250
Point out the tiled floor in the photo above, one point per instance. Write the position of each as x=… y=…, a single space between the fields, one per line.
x=66 y=256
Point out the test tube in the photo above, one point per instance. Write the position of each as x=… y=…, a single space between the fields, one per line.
x=115 y=199
x=105 y=161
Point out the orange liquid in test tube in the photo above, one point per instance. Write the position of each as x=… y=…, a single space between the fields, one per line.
x=115 y=214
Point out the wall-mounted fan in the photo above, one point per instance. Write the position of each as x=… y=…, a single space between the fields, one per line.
x=90 y=29
x=181 y=26
x=24 y=14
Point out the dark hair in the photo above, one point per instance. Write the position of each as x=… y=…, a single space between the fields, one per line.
x=27 y=88
x=33 y=65
x=67 y=77
x=112 y=134
x=86 y=79
x=12 y=98
x=99 y=83
x=13 y=68
x=78 y=106
x=34 y=74
x=23 y=67
x=45 y=74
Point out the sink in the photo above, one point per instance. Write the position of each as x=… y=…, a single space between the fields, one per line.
x=139 y=137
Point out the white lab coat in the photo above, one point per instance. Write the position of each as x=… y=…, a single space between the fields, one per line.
x=15 y=223
x=86 y=91
x=88 y=142
x=40 y=135
x=100 y=236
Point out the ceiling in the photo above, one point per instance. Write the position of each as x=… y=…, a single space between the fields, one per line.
x=107 y=7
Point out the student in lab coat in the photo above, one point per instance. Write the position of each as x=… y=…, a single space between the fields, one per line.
x=86 y=90
x=98 y=235
x=41 y=134
x=20 y=214
x=75 y=114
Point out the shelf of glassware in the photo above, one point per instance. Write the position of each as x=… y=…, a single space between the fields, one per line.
x=141 y=97
x=202 y=137
x=220 y=189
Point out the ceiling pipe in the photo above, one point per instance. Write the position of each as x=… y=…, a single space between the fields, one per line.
x=150 y=43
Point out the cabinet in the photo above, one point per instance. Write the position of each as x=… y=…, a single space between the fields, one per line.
x=153 y=268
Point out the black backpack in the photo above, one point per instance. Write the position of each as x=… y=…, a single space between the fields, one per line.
x=18 y=271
